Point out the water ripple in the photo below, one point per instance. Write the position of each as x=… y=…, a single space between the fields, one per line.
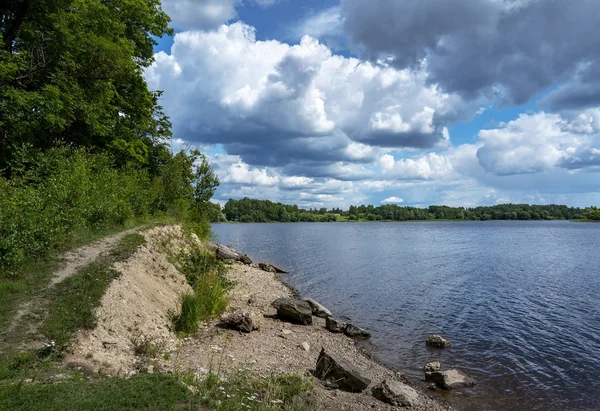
x=517 y=299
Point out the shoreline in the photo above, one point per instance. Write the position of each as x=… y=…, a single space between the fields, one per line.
x=142 y=300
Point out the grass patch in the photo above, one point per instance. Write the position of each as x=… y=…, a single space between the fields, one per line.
x=75 y=299
x=188 y=321
x=244 y=391
x=144 y=391
x=207 y=276
x=239 y=391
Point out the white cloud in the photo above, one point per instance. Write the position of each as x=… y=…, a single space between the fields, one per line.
x=393 y=200
x=537 y=142
x=226 y=87
x=430 y=166
x=326 y=23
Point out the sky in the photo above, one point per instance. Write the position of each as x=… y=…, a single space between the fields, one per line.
x=326 y=103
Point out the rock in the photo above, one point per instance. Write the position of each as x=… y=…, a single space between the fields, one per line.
x=395 y=393
x=245 y=259
x=271 y=268
x=353 y=331
x=230 y=254
x=438 y=342
x=294 y=310
x=449 y=379
x=240 y=320
x=317 y=309
x=339 y=373
x=334 y=326
x=433 y=366
x=305 y=346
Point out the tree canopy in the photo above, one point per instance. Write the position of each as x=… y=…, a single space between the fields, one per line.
x=71 y=71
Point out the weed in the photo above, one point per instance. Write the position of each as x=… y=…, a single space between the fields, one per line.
x=245 y=391
x=187 y=321
x=148 y=347
x=206 y=275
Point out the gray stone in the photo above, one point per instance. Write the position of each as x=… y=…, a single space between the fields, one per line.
x=438 y=342
x=449 y=379
x=334 y=326
x=230 y=254
x=240 y=320
x=433 y=366
x=339 y=373
x=352 y=330
x=317 y=309
x=294 y=310
x=271 y=268
x=395 y=393
x=305 y=346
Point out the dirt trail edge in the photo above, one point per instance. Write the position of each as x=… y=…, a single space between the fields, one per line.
x=134 y=334
x=26 y=315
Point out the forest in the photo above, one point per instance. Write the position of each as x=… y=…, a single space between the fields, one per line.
x=260 y=211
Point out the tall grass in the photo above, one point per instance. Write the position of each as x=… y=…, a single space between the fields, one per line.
x=206 y=275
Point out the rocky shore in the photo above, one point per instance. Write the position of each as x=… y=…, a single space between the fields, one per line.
x=267 y=329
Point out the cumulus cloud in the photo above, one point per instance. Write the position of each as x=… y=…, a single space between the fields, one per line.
x=537 y=142
x=393 y=200
x=515 y=47
x=430 y=166
x=272 y=103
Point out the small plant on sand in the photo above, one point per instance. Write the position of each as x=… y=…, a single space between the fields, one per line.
x=148 y=347
x=187 y=321
x=206 y=275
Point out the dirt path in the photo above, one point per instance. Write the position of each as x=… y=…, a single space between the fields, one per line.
x=28 y=318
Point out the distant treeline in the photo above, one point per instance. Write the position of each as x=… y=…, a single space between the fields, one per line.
x=262 y=211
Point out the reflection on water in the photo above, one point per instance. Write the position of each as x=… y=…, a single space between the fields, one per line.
x=518 y=299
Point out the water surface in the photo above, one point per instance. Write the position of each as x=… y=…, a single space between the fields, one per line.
x=519 y=300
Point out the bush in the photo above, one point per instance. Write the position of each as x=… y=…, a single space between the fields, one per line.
x=64 y=194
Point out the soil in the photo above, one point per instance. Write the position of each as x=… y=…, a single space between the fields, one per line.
x=134 y=330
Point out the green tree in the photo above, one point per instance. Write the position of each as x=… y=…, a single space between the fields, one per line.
x=71 y=70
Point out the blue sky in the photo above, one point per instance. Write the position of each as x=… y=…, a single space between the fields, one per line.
x=414 y=102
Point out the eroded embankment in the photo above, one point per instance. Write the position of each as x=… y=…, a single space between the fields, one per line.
x=135 y=319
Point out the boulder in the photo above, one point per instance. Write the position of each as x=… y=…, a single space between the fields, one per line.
x=271 y=268
x=352 y=330
x=449 y=379
x=294 y=310
x=395 y=393
x=240 y=320
x=438 y=342
x=433 y=366
x=230 y=254
x=317 y=309
x=334 y=326
x=339 y=373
